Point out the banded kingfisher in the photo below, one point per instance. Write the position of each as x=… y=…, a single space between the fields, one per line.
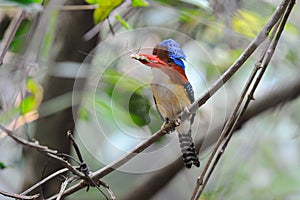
x=172 y=92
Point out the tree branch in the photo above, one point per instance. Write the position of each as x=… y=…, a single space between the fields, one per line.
x=40 y=183
x=13 y=27
x=19 y=196
x=44 y=150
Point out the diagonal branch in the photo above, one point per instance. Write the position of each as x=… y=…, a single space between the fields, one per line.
x=44 y=150
x=13 y=27
x=40 y=183
x=18 y=196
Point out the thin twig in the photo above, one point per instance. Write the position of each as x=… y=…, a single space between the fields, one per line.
x=34 y=145
x=77 y=150
x=40 y=183
x=14 y=26
x=44 y=150
x=18 y=196
x=85 y=169
x=111 y=194
x=110 y=26
x=76 y=7
x=62 y=188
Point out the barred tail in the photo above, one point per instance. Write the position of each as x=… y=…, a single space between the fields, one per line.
x=188 y=150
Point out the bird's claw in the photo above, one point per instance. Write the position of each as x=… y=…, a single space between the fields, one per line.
x=177 y=121
x=163 y=128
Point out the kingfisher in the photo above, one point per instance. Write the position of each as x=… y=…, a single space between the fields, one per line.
x=172 y=92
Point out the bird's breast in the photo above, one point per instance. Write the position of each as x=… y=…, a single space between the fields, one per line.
x=170 y=97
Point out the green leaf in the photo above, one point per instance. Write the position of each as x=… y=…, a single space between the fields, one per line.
x=139 y=109
x=27 y=1
x=84 y=114
x=114 y=77
x=104 y=9
x=34 y=99
x=2 y=166
x=27 y=105
x=139 y=3
x=18 y=43
x=92 y=1
x=123 y=22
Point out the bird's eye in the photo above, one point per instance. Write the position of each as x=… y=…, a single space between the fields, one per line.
x=169 y=61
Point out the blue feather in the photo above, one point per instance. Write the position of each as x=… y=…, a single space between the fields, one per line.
x=175 y=52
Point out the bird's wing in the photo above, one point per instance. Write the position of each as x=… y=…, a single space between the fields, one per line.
x=158 y=109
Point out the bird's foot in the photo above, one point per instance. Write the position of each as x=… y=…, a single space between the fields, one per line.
x=177 y=121
x=163 y=127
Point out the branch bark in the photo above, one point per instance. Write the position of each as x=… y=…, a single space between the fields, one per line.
x=19 y=196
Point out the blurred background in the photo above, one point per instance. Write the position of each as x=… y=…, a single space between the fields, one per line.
x=68 y=67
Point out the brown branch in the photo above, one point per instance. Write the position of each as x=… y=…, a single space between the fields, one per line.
x=13 y=27
x=40 y=183
x=62 y=188
x=18 y=196
x=44 y=150
x=34 y=145
x=76 y=7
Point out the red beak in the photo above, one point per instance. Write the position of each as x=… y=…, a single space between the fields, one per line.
x=149 y=60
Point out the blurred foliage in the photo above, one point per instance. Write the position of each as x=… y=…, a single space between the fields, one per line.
x=117 y=86
x=34 y=98
x=105 y=7
x=2 y=166
x=26 y=1
x=49 y=36
x=139 y=3
x=139 y=109
x=18 y=43
x=123 y=22
x=248 y=23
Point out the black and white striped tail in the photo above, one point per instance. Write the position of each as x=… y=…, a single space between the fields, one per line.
x=188 y=151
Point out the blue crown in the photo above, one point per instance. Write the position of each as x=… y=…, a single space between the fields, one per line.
x=175 y=52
